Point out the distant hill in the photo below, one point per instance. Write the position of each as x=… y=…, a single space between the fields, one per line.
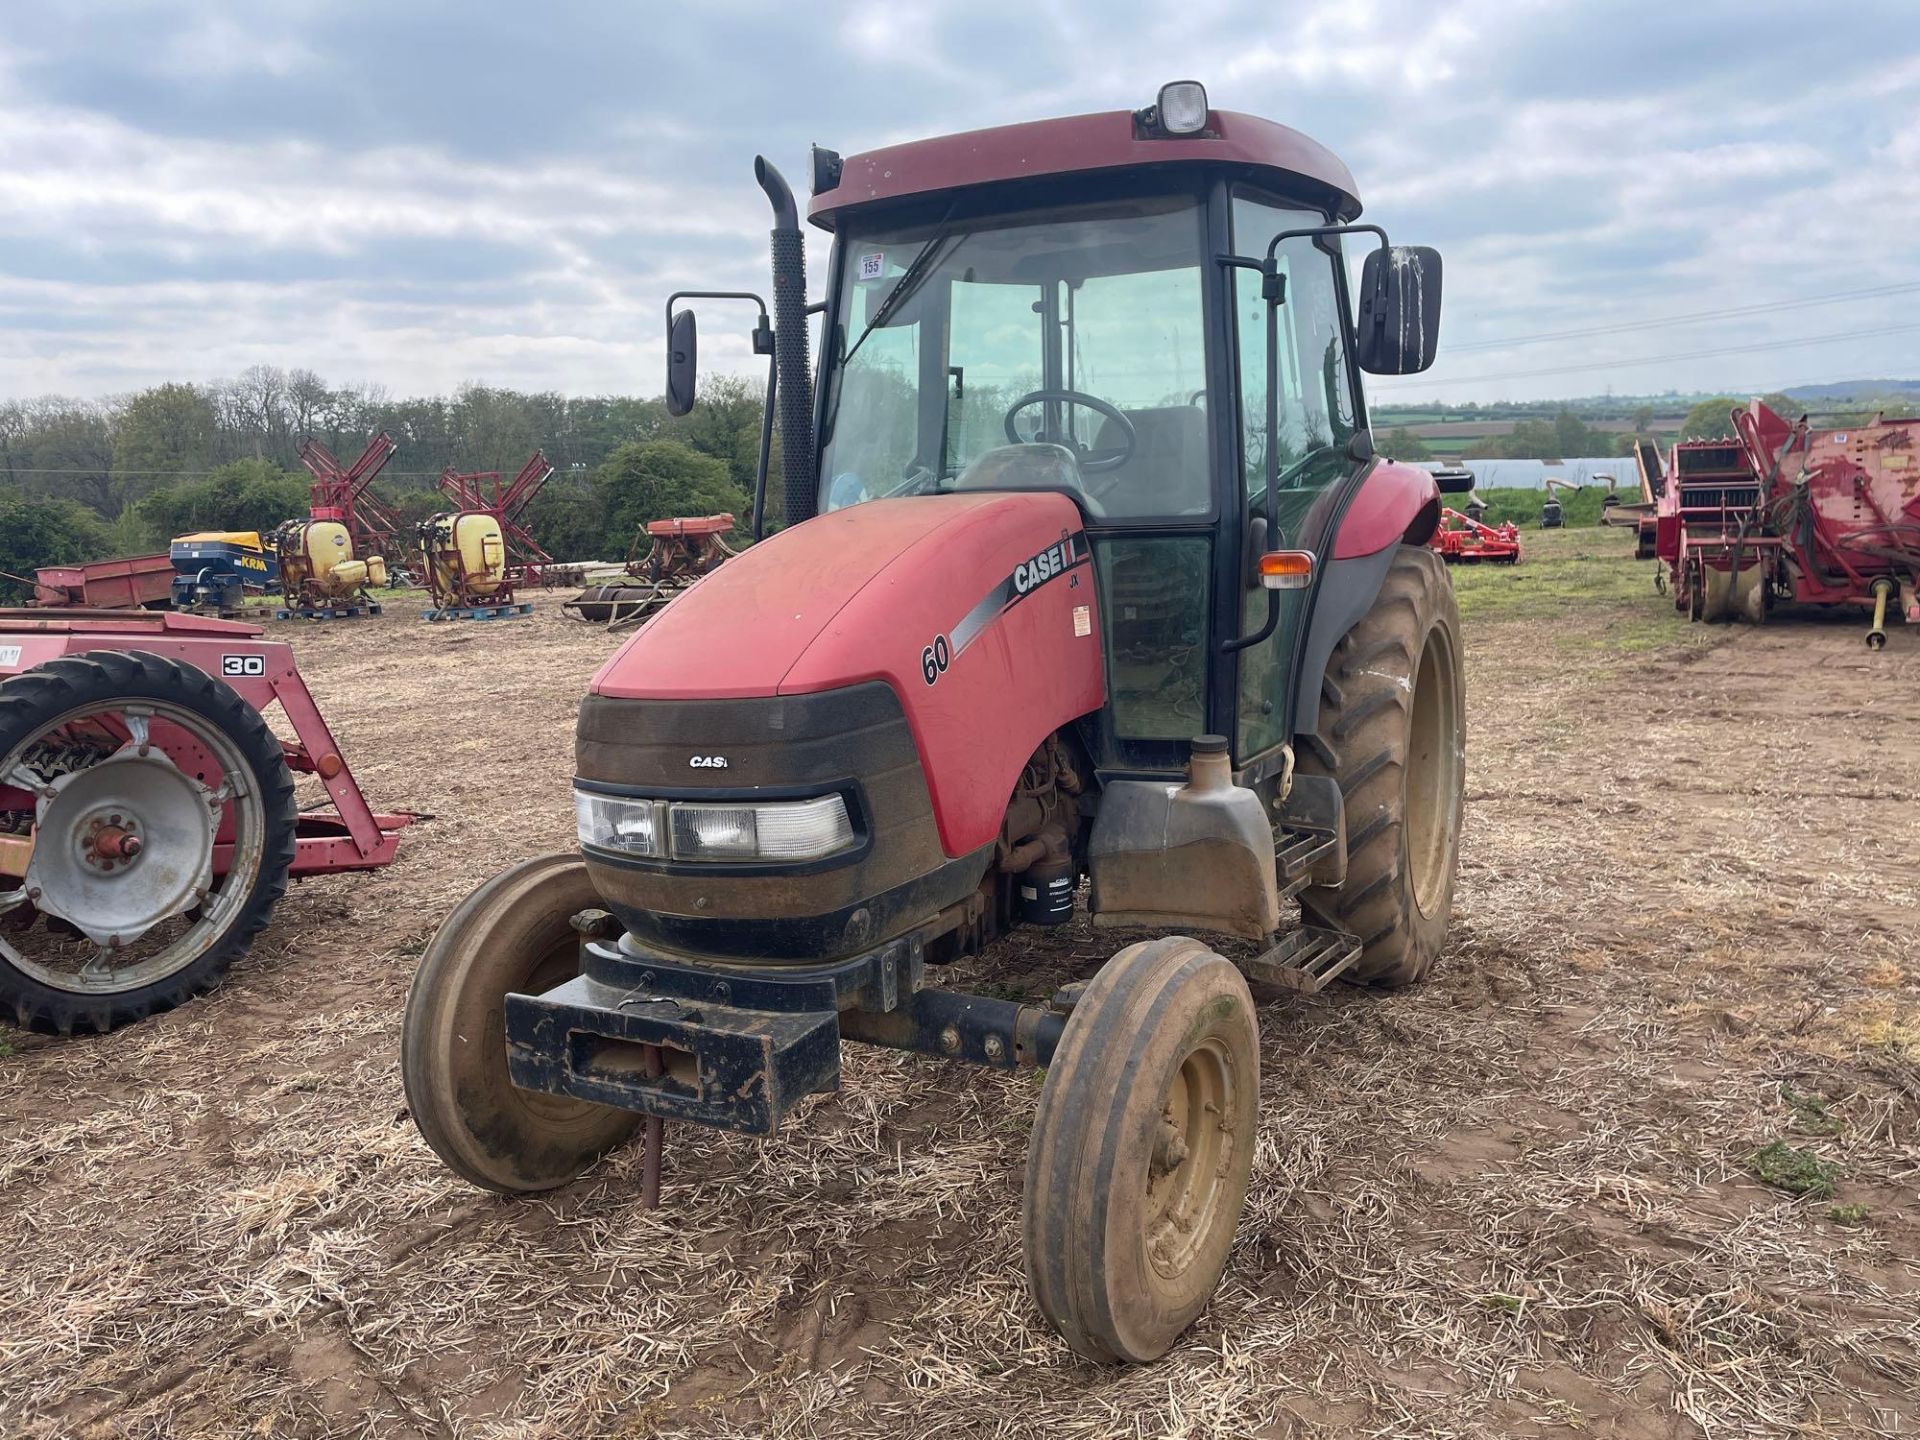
x=1849 y=389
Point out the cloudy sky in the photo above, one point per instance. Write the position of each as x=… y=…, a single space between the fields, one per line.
x=423 y=192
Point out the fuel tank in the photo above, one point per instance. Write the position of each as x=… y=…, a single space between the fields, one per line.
x=910 y=653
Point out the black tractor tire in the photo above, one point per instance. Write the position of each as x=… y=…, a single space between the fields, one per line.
x=1141 y=1150
x=512 y=934
x=1392 y=735
x=38 y=697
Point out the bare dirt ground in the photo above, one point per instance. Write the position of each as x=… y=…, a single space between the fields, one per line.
x=1526 y=1198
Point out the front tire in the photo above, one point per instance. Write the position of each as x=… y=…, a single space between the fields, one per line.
x=514 y=934
x=1141 y=1150
x=1392 y=728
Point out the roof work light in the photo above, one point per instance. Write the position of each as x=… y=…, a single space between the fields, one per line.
x=1182 y=107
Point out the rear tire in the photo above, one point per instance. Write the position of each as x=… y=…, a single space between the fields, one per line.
x=512 y=934
x=1141 y=1150
x=1392 y=728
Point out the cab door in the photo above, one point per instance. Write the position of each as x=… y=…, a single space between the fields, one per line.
x=1317 y=419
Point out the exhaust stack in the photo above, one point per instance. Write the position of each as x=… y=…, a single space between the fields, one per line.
x=791 y=361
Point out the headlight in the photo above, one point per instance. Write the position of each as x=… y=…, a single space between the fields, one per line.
x=776 y=830
x=616 y=822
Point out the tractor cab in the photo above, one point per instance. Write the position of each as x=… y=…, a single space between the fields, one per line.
x=1150 y=314
x=1091 y=600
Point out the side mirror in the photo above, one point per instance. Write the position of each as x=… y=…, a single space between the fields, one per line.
x=1399 y=326
x=1453 y=481
x=683 y=354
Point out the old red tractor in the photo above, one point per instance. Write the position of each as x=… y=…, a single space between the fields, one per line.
x=1090 y=573
x=1787 y=513
x=147 y=814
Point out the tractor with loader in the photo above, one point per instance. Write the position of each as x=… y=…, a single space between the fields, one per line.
x=1090 y=573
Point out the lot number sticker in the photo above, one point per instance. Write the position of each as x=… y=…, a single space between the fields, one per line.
x=874 y=266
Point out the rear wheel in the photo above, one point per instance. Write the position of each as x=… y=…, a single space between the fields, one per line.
x=513 y=934
x=1138 y=1164
x=148 y=816
x=1392 y=726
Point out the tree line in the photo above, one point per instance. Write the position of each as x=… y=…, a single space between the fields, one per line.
x=90 y=479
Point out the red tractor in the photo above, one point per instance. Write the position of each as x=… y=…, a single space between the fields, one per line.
x=1090 y=573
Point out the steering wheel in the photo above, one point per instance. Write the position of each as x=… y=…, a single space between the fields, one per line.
x=1091 y=461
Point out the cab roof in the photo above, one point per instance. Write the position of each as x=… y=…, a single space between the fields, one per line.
x=1080 y=144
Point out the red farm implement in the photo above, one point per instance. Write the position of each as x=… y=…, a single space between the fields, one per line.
x=480 y=491
x=133 y=584
x=1787 y=513
x=148 y=816
x=1462 y=540
x=679 y=552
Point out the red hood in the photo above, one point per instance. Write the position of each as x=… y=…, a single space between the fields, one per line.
x=744 y=629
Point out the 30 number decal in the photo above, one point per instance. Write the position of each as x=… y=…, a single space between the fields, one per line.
x=238 y=666
x=935 y=659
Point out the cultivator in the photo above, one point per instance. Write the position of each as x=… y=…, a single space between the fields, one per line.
x=1465 y=540
x=1788 y=513
x=679 y=552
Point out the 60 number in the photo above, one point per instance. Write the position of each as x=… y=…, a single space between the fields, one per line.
x=935 y=659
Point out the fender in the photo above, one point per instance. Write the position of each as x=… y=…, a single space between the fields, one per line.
x=978 y=610
x=1390 y=505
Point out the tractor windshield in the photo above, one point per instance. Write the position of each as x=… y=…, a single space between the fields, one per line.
x=1081 y=326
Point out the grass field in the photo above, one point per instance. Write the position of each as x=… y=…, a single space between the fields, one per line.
x=1639 y=1160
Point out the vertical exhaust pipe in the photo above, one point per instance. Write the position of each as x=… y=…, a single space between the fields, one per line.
x=790 y=347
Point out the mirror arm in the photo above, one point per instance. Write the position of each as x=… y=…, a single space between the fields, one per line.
x=762 y=345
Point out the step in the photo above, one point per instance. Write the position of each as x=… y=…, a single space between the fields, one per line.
x=1307 y=959
x=1296 y=852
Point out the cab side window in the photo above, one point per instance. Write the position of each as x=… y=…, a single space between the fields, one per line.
x=1315 y=404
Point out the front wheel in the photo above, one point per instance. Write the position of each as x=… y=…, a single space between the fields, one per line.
x=512 y=935
x=1392 y=734
x=1138 y=1165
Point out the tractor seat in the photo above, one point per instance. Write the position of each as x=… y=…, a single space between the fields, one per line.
x=1167 y=472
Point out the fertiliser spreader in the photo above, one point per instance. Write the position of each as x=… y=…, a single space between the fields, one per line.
x=1090 y=572
x=1786 y=513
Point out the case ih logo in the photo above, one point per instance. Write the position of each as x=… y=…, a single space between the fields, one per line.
x=707 y=762
x=1050 y=562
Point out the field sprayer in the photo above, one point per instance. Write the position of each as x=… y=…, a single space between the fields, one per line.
x=679 y=552
x=147 y=813
x=474 y=556
x=1090 y=570
x=1786 y=513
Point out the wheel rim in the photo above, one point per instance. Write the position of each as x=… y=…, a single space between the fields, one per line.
x=1432 y=774
x=120 y=891
x=1187 y=1190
